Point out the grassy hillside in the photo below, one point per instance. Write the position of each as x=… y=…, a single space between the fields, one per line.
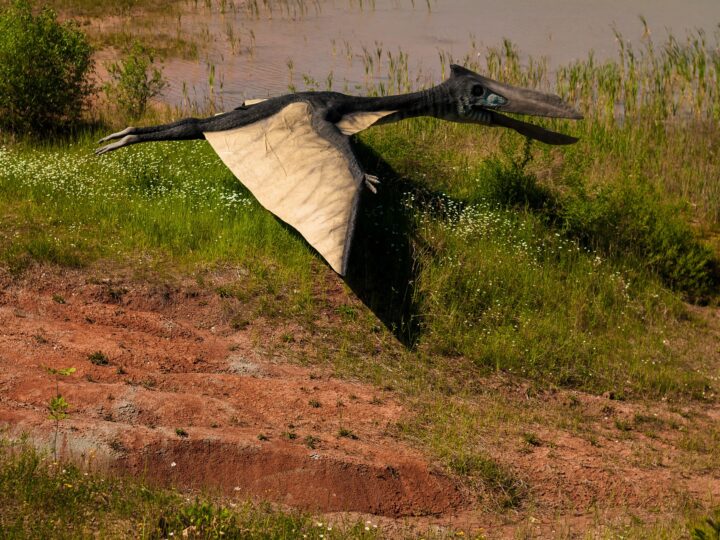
x=564 y=265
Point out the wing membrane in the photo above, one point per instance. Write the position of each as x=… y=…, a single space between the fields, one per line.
x=350 y=124
x=297 y=175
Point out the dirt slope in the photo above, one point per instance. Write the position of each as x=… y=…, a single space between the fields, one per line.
x=187 y=400
x=184 y=400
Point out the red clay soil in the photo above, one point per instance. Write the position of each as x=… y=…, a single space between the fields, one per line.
x=184 y=400
x=188 y=401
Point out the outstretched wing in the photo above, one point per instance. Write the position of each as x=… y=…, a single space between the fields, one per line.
x=300 y=176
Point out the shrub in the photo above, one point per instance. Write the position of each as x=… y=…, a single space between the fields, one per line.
x=626 y=220
x=135 y=81
x=630 y=222
x=98 y=358
x=45 y=69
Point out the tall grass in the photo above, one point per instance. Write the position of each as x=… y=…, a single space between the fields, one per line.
x=501 y=280
x=561 y=264
x=651 y=112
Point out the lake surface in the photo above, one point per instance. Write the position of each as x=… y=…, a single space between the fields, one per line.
x=247 y=48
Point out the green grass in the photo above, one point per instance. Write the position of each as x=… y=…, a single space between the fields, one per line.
x=550 y=282
x=42 y=499
x=176 y=202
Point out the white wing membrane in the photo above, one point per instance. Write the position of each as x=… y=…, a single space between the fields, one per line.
x=355 y=122
x=298 y=176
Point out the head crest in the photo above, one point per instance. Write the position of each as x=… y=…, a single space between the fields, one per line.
x=458 y=71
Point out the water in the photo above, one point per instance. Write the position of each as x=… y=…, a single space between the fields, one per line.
x=250 y=50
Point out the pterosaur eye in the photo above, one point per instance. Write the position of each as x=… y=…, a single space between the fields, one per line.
x=477 y=90
x=493 y=100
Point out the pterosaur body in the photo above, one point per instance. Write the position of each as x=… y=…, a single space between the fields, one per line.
x=293 y=151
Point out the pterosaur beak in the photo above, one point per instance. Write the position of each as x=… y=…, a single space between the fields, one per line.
x=531 y=130
x=532 y=102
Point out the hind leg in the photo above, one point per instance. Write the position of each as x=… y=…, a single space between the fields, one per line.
x=126 y=131
x=183 y=130
x=146 y=130
x=127 y=140
x=193 y=128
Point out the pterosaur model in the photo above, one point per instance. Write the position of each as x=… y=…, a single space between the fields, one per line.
x=293 y=151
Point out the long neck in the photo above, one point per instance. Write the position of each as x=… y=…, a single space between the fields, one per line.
x=434 y=101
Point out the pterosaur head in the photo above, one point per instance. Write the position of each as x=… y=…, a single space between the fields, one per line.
x=480 y=100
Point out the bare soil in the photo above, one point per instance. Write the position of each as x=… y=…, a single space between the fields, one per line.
x=184 y=400
x=187 y=400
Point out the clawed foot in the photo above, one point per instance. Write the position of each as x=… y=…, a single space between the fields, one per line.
x=125 y=141
x=104 y=149
x=371 y=182
x=117 y=135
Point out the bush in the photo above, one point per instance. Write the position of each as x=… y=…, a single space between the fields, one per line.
x=630 y=222
x=135 y=81
x=627 y=221
x=45 y=69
